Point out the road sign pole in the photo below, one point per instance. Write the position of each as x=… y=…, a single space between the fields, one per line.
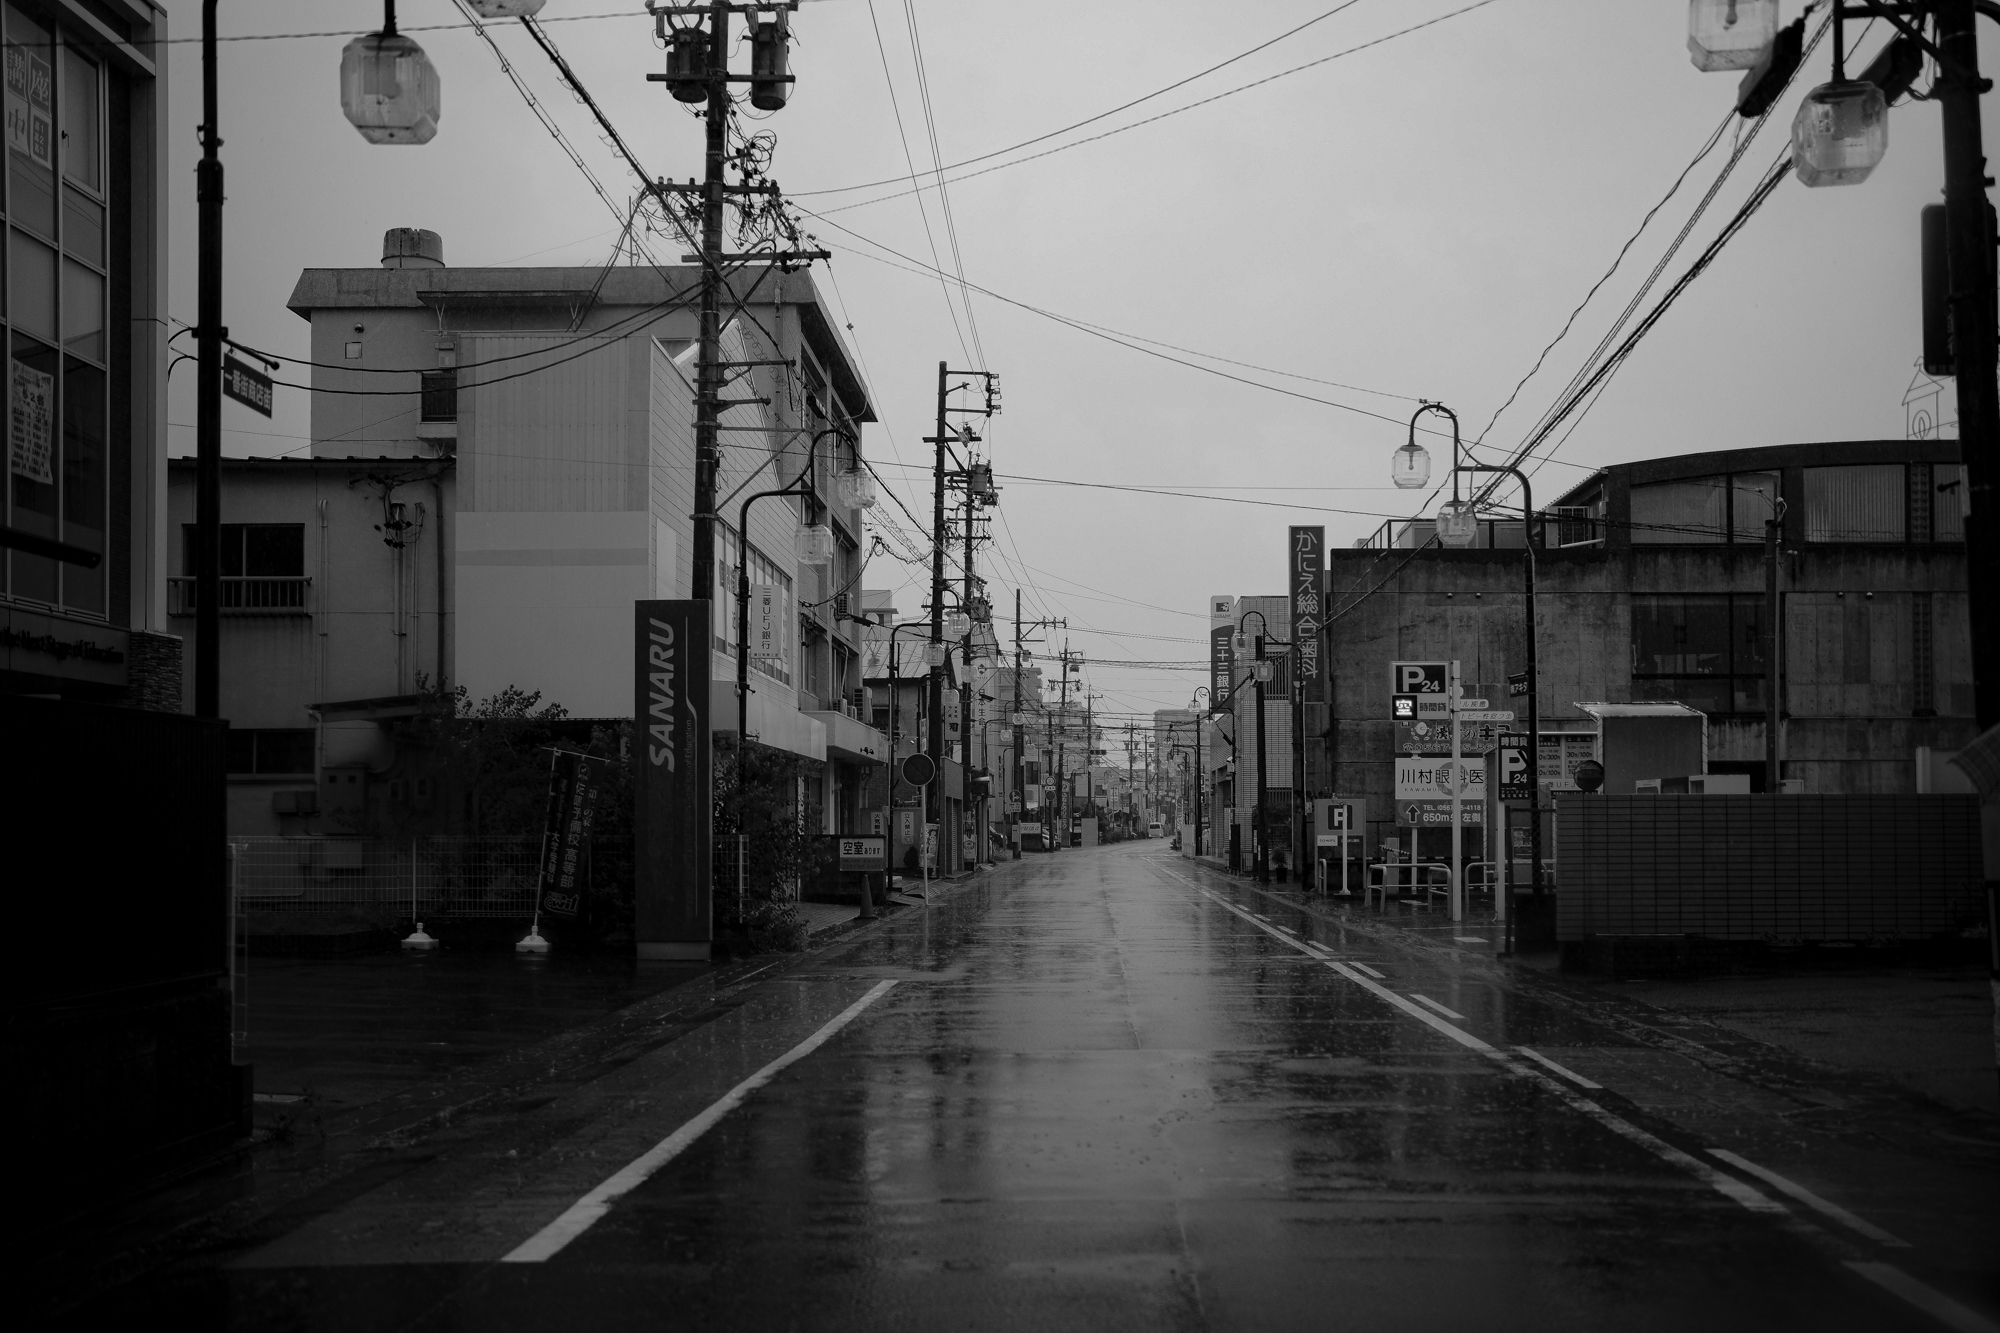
x=1457 y=781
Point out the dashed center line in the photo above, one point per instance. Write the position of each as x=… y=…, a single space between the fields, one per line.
x=1369 y=970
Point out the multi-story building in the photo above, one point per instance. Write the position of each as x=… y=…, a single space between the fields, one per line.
x=121 y=1051
x=1652 y=586
x=502 y=463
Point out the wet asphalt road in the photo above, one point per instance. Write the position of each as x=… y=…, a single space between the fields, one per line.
x=1104 y=1093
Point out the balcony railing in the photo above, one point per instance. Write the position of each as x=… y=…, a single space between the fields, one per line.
x=245 y=596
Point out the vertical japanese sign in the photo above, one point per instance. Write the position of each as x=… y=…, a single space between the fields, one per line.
x=573 y=787
x=1221 y=653
x=1306 y=562
x=767 y=623
x=672 y=780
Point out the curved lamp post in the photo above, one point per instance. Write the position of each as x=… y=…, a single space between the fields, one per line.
x=816 y=548
x=1203 y=704
x=1262 y=671
x=934 y=657
x=1457 y=526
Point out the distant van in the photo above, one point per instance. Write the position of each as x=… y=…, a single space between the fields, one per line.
x=1154 y=829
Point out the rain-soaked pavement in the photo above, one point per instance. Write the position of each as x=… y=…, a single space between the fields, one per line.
x=1111 y=1089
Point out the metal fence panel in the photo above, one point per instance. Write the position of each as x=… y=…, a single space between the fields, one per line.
x=388 y=877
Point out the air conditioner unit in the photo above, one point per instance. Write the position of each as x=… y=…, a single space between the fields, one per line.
x=842 y=606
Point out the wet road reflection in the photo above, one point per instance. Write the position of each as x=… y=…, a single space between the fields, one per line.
x=1107 y=1091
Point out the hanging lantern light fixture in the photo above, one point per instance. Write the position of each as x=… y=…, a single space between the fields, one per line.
x=957 y=624
x=1840 y=133
x=1410 y=466
x=1457 y=524
x=856 y=489
x=815 y=545
x=388 y=89
x=934 y=654
x=1730 y=34
x=507 y=9
x=1264 y=670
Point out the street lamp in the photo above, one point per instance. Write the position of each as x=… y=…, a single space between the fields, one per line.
x=388 y=89
x=1730 y=34
x=856 y=489
x=1464 y=514
x=1262 y=671
x=813 y=546
x=1840 y=133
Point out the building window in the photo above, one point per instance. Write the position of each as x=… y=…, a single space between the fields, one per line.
x=272 y=751
x=263 y=566
x=440 y=395
x=1856 y=504
x=762 y=571
x=57 y=480
x=1707 y=651
x=1681 y=513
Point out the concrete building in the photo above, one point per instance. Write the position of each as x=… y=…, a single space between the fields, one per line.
x=84 y=493
x=896 y=673
x=502 y=464
x=1652 y=587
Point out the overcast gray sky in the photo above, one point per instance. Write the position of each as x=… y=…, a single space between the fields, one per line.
x=1413 y=219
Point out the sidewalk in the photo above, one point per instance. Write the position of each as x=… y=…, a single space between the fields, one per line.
x=1926 y=1029
x=369 y=1065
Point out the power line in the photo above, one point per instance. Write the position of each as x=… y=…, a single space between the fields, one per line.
x=910 y=160
x=937 y=159
x=1063 y=148
x=1091 y=120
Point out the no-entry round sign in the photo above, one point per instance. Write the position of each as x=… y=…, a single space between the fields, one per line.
x=918 y=769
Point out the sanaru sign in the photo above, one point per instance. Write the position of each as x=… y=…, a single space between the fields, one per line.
x=671 y=779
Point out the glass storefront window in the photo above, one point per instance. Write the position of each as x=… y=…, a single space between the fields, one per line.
x=30 y=114
x=83 y=480
x=57 y=406
x=32 y=455
x=82 y=311
x=31 y=296
x=81 y=152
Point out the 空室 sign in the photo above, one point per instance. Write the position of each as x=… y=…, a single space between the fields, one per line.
x=1307 y=560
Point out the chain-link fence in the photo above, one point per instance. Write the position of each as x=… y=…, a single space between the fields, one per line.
x=388 y=878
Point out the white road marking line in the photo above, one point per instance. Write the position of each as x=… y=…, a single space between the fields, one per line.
x=1369 y=970
x=1721 y=1182
x=1428 y=1001
x=1470 y=939
x=1811 y=1200
x=579 y=1216
x=1928 y=1299
x=1569 y=1074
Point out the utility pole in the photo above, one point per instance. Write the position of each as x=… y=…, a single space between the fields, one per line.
x=1062 y=756
x=208 y=392
x=708 y=372
x=1969 y=240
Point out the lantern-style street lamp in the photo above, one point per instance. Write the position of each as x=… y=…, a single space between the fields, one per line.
x=388 y=89
x=1457 y=525
x=1410 y=466
x=1730 y=34
x=1840 y=133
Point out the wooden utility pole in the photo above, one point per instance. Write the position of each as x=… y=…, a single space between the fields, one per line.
x=708 y=370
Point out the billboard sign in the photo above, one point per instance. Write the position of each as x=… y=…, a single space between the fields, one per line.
x=672 y=779
x=252 y=388
x=1429 y=778
x=1305 y=559
x=1512 y=779
x=1419 y=678
x=767 y=624
x=1437 y=814
x=1221 y=664
x=1432 y=736
x=863 y=851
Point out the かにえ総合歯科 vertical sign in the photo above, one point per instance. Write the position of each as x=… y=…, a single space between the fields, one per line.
x=671 y=780
x=1306 y=558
